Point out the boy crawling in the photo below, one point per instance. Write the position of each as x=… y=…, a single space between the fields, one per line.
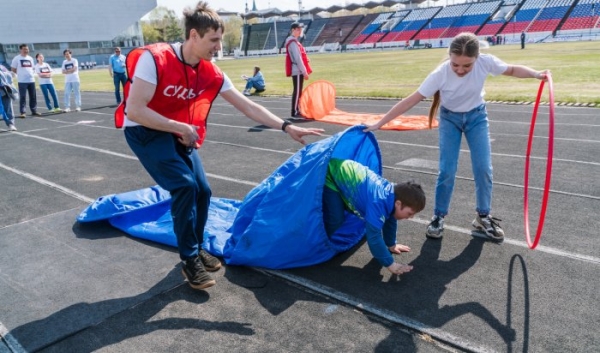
x=351 y=186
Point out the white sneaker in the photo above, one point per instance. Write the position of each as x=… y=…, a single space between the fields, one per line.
x=435 y=229
x=57 y=110
x=247 y=93
x=77 y=109
x=11 y=127
x=67 y=110
x=489 y=226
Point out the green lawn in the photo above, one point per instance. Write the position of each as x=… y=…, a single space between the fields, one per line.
x=575 y=68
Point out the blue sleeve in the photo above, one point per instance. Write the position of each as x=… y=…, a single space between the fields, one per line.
x=389 y=231
x=377 y=246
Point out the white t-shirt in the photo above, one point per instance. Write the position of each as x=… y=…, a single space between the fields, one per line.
x=44 y=69
x=146 y=70
x=24 y=66
x=462 y=94
x=70 y=64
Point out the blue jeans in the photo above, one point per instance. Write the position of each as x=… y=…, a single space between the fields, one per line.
x=119 y=79
x=250 y=85
x=49 y=88
x=181 y=173
x=7 y=110
x=72 y=86
x=474 y=124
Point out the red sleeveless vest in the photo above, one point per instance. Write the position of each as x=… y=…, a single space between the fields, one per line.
x=183 y=93
x=288 y=59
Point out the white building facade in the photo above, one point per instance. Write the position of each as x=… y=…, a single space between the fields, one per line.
x=91 y=29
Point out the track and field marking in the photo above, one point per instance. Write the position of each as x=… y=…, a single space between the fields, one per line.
x=48 y=183
x=67 y=191
x=388 y=315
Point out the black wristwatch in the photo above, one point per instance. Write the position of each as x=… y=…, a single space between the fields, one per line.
x=285 y=124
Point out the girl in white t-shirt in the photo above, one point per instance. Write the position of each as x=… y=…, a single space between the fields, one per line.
x=70 y=67
x=457 y=84
x=44 y=72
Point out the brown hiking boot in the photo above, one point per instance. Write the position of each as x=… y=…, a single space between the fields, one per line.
x=193 y=270
x=210 y=262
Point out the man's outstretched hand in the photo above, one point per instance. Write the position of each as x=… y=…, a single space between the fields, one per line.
x=399 y=248
x=399 y=269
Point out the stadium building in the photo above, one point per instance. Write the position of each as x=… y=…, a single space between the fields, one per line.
x=91 y=29
x=419 y=23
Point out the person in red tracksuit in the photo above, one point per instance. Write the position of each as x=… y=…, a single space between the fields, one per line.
x=297 y=65
x=168 y=102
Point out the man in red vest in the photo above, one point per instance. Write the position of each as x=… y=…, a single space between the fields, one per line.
x=297 y=65
x=173 y=88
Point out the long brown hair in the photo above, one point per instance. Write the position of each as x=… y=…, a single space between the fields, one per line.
x=435 y=105
x=464 y=44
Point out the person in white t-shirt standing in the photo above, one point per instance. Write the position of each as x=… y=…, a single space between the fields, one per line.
x=457 y=84
x=44 y=72
x=70 y=67
x=22 y=65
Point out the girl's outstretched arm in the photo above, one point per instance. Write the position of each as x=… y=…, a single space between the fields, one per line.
x=521 y=71
x=400 y=108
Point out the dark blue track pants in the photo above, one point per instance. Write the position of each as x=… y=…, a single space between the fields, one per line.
x=181 y=173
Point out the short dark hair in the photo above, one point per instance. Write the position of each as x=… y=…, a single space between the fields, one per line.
x=37 y=54
x=410 y=194
x=67 y=51
x=22 y=46
x=202 y=18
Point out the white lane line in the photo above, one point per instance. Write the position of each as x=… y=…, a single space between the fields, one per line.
x=48 y=183
x=548 y=250
x=122 y=155
x=381 y=142
x=518 y=186
x=546 y=137
x=523 y=244
x=388 y=315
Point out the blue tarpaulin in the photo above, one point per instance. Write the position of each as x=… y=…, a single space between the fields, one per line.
x=279 y=224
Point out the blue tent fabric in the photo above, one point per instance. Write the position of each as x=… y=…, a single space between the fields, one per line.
x=278 y=225
x=146 y=214
x=280 y=222
x=108 y=206
x=155 y=223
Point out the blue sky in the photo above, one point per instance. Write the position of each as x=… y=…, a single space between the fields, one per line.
x=240 y=5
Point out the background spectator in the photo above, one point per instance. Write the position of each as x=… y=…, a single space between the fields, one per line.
x=257 y=81
x=70 y=67
x=44 y=72
x=22 y=65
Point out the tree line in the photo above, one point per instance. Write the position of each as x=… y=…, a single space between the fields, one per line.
x=163 y=25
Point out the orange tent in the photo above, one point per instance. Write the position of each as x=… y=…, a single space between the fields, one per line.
x=318 y=103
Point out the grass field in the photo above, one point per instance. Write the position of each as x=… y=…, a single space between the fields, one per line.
x=575 y=68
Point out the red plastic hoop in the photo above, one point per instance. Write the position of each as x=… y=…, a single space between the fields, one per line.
x=533 y=245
